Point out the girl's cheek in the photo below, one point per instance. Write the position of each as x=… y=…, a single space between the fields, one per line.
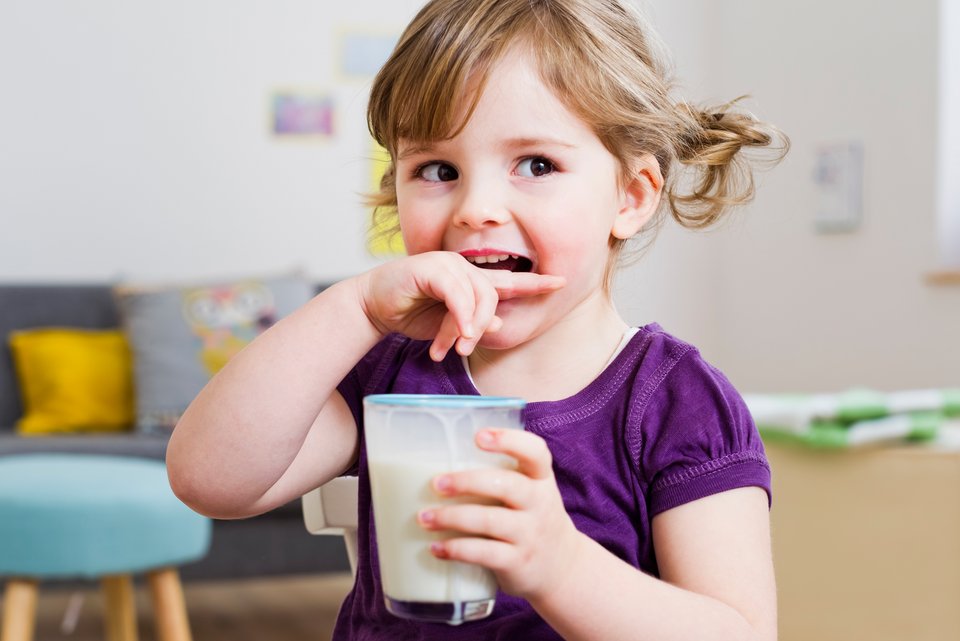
x=418 y=243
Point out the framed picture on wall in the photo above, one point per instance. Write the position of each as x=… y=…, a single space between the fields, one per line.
x=299 y=113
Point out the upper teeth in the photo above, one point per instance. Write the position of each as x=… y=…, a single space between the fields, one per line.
x=491 y=258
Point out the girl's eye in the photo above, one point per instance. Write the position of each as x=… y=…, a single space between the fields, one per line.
x=535 y=167
x=437 y=172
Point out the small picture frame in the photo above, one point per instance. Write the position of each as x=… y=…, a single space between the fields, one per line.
x=301 y=113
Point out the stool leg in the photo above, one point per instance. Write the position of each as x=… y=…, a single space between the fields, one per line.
x=19 y=610
x=169 y=606
x=121 y=609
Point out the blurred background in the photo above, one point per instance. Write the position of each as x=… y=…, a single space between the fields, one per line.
x=136 y=143
x=140 y=141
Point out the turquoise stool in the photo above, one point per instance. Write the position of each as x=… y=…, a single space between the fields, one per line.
x=78 y=516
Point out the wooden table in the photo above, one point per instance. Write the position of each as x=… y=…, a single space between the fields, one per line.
x=867 y=543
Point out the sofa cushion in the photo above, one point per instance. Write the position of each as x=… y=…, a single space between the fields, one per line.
x=26 y=306
x=73 y=380
x=181 y=336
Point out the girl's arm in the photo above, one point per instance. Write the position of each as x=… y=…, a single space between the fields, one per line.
x=716 y=579
x=714 y=556
x=271 y=426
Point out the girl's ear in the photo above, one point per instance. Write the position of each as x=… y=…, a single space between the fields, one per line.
x=641 y=197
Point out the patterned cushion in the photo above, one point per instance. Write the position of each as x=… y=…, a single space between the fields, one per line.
x=181 y=336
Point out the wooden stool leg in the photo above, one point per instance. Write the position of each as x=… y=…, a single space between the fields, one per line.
x=19 y=610
x=169 y=606
x=121 y=609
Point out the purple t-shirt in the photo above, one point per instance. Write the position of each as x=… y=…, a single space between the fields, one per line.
x=659 y=427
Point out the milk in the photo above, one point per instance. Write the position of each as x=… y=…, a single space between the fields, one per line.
x=409 y=440
x=401 y=488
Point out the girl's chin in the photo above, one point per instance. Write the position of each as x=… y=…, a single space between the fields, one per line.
x=504 y=339
x=521 y=323
x=511 y=334
x=497 y=341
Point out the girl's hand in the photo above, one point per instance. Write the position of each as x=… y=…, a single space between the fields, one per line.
x=442 y=296
x=530 y=539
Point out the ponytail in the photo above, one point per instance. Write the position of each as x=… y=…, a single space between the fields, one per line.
x=713 y=145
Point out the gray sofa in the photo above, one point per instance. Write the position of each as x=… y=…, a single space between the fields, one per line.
x=272 y=544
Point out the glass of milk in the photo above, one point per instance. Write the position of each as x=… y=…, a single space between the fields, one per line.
x=410 y=439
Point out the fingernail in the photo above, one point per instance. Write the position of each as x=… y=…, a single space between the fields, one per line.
x=485 y=437
x=443 y=483
x=438 y=549
x=427 y=517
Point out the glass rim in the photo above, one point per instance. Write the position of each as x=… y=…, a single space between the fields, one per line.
x=445 y=401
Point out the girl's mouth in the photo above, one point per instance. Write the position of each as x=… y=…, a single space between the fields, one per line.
x=510 y=262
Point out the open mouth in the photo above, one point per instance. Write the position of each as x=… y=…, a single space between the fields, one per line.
x=509 y=262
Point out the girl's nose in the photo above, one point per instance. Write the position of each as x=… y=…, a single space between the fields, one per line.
x=480 y=206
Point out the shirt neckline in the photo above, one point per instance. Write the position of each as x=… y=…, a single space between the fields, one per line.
x=629 y=333
x=590 y=397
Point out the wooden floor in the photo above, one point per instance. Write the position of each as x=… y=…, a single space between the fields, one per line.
x=280 y=609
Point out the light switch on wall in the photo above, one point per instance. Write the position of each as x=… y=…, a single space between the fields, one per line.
x=839 y=179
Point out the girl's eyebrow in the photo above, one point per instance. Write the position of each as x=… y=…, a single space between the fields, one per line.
x=414 y=150
x=523 y=142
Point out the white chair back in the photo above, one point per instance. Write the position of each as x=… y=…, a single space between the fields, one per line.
x=332 y=509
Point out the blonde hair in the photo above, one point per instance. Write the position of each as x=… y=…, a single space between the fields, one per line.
x=601 y=59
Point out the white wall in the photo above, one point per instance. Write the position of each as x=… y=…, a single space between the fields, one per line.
x=801 y=311
x=777 y=306
x=134 y=139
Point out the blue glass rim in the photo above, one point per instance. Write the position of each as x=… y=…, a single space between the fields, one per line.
x=446 y=401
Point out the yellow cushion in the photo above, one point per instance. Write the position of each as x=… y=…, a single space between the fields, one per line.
x=73 y=380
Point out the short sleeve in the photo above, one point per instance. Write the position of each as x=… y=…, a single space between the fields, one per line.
x=698 y=438
x=368 y=375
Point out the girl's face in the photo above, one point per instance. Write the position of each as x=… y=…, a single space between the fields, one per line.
x=526 y=185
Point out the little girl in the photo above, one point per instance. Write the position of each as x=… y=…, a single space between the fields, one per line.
x=530 y=139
